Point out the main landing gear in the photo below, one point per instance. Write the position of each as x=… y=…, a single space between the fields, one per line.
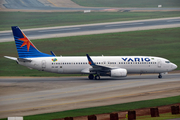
x=91 y=77
x=159 y=76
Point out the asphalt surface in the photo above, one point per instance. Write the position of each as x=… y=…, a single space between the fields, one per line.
x=28 y=96
x=37 y=5
x=75 y=30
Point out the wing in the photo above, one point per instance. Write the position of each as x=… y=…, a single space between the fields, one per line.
x=104 y=70
x=97 y=68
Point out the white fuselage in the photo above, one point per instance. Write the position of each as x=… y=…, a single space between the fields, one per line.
x=79 y=65
x=114 y=66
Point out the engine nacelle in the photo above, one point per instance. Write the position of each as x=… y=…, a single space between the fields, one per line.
x=119 y=72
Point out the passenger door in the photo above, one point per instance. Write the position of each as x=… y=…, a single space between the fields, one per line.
x=43 y=63
x=159 y=63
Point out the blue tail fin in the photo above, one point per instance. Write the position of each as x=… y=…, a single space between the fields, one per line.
x=25 y=47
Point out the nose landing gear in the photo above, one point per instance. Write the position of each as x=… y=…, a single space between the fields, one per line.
x=159 y=76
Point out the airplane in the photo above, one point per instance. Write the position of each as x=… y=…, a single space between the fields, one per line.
x=94 y=66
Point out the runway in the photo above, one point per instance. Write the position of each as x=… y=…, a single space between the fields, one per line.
x=98 y=28
x=20 y=96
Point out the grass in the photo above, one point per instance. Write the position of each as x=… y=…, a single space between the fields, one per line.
x=50 y=19
x=106 y=109
x=163 y=43
x=128 y=3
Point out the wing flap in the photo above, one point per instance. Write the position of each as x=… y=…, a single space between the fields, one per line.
x=87 y=71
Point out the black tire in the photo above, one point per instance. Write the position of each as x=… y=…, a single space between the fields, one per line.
x=97 y=77
x=160 y=76
x=91 y=76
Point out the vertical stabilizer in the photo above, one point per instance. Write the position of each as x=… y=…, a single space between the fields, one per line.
x=25 y=47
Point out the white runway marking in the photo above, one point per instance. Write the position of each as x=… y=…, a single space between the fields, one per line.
x=5 y=34
x=66 y=29
x=173 y=20
x=124 y=24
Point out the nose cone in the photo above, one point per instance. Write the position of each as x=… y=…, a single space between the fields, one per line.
x=173 y=66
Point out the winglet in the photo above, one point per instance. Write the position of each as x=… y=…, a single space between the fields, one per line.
x=52 y=53
x=90 y=60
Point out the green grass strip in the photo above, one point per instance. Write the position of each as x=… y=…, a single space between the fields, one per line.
x=106 y=109
x=50 y=19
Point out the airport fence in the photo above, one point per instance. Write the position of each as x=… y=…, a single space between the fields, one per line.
x=131 y=115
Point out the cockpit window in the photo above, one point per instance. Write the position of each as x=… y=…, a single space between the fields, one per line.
x=167 y=61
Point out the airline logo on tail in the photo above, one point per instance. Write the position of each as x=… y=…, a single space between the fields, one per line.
x=26 y=42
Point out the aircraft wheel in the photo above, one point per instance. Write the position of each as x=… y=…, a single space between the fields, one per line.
x=97 y=77
x=91 y=76
x=160 y=76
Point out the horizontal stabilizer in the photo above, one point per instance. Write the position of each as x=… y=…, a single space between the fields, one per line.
x=12 y=58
